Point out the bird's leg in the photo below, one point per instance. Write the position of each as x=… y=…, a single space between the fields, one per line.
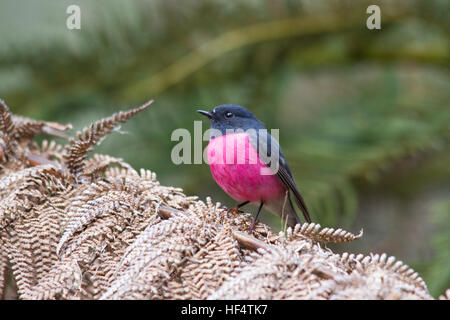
x=252 y=226
x=236 y=209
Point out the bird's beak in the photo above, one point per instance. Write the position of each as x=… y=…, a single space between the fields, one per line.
x=205 y=113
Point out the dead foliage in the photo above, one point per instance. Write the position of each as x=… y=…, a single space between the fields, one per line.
x=79 y=228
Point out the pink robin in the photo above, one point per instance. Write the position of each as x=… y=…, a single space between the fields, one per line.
x=247 y=163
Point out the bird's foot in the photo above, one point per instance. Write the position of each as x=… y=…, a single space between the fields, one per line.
x=250 y=227
x=235 y=210
x=253 y=225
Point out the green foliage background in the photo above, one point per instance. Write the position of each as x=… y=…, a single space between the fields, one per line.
x=363 y=114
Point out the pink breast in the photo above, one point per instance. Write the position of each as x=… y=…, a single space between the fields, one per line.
x=236 y=167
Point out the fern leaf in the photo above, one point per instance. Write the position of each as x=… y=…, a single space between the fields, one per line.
x=90 y=136
x=313 y=231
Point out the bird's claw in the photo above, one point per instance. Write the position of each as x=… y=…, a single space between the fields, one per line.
x=250 y=227
x=235 y=210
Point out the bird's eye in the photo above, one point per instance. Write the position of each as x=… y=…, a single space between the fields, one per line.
x=229 y=115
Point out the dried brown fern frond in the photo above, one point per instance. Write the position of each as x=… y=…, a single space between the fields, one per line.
x=100 y=163
x=20 y=128
x=302 y=270
x=26 y=129
x=314 y=232
x=7 y=143
x=6 y=124
x=27 y=188
x=125 y=236
x=157 y=253
x=33 y=213
x=210 y=267
x=33 y=232
x=17 y=131
x=7 y=148
x=48 y=152
x=77 y=149
x=3 y=268
x=375 y=261
x=104 y=198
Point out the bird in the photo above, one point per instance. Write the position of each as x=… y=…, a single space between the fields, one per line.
x=248 y=164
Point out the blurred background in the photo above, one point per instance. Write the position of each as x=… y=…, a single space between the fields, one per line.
x=364 y=115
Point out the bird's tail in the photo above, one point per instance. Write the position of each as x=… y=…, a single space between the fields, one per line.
x=283 y=208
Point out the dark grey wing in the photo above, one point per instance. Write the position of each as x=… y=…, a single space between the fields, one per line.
x=285 y=175
x=266 y=144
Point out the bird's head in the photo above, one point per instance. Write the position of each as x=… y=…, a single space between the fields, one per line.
x=231 y=117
